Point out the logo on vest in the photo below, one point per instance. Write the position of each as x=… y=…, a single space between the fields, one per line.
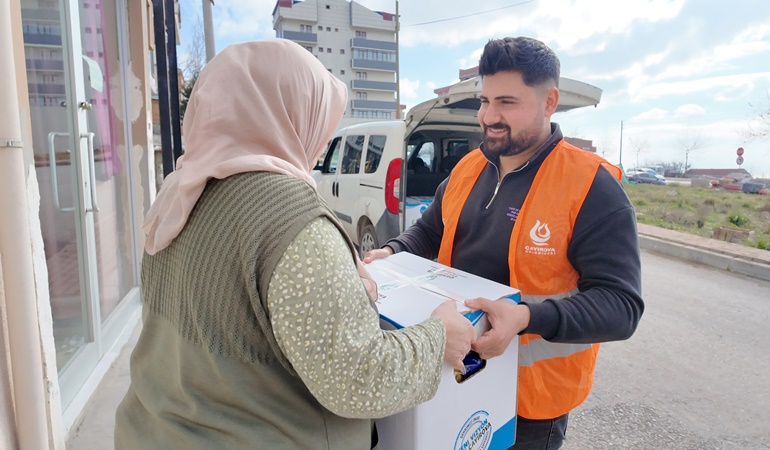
x=540 y=234
x=476 y=433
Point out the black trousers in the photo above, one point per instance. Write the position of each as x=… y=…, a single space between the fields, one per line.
x=546 y=434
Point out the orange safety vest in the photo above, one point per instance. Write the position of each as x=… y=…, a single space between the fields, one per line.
x=553 y=378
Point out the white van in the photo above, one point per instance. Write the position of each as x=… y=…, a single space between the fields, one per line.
x=378 y=177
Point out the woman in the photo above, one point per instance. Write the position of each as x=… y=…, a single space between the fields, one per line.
x=257 y=330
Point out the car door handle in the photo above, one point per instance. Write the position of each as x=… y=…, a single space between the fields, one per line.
x=335 y=189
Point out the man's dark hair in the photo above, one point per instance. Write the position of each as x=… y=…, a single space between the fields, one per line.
x=534 y=60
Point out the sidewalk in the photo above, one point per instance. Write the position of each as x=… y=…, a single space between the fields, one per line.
x=94 y=431
x=721 y=255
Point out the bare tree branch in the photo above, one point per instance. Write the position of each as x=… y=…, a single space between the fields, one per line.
x=195 y=58
x=759 y=126
x=193 y=63
x=639 y=144
x=689 y=141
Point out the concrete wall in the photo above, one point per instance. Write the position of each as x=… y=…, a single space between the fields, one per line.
x=7 y=406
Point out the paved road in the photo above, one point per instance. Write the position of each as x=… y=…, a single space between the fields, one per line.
x=696 y=375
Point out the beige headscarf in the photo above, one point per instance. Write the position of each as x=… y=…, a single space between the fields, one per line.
x=257 y=106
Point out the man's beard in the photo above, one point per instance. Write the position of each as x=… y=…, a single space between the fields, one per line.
x=506 y=145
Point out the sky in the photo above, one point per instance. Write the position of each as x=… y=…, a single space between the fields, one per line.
x=673 y=72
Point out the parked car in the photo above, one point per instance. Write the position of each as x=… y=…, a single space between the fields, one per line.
x=646 y=177
x=378 y=177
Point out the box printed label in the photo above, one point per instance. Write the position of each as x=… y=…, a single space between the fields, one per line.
x=476 y=433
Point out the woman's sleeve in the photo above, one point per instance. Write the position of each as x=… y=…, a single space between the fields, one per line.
x=328 y=330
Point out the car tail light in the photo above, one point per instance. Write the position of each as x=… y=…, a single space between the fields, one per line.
x=393 y=186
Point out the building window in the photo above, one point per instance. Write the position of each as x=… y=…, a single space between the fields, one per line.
x=320 y=49
x=360 y=75
x=328 y=28
x=320 y=28
x=361 y=34
x=342 y=72
x=328 y=7
x=342 y=51
x=330 y=70
x=374 y=55
x=362 y=95
x=310 y=49
x=328 y=50
x=305 y=28
x=336 y=29
x=371 y=114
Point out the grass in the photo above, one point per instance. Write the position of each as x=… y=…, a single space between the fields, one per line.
x=700 y=210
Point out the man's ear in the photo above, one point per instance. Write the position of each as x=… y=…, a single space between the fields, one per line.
x=551 y=100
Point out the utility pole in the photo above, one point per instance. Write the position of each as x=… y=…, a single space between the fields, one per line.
x=398 y=75
x=208 y=29
x=620 y=157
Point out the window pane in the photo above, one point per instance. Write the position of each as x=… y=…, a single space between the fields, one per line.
x=332 y=156
x=351 y=161
x=374 y=153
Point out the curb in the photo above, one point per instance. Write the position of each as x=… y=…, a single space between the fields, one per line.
x=722 y=261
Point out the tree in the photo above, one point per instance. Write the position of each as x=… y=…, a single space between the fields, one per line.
x=639 y=144
x=689 y=141
x=759 y=126
x=192 y=63
x=672 y=169
x=606 y=146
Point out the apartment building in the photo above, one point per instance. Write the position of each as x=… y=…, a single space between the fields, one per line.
x=354 y=43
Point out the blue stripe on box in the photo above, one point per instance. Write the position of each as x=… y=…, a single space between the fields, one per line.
x=504 y=437
x=392 y=322
x=474 y=316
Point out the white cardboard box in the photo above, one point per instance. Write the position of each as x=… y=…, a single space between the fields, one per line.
x=478 y=413
x=414 y=207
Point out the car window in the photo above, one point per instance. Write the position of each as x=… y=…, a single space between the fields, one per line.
x=332 y=156
x=374 y=153
x=351 y=158
x=426 y=154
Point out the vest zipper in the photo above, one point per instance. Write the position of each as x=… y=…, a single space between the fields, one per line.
x=499 y=180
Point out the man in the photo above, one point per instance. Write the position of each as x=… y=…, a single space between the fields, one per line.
x=533 y=211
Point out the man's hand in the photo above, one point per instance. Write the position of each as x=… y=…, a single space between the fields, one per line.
x=371 y=255
x=459 y=333
x=506 y=319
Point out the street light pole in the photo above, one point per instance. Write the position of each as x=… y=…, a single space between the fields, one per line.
x=208 y=29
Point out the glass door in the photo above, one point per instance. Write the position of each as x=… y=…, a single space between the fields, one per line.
x=76 y=92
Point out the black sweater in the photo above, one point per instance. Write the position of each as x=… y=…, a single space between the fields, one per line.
x=604 y=250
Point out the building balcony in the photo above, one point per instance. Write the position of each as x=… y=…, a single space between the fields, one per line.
x=46 y=89
x=40 y=14
x=373 y=65
x=371 y=44
x=297 y=36
x=41 y=39
x=365 y=85
x=374 y=104
x=45 y=65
